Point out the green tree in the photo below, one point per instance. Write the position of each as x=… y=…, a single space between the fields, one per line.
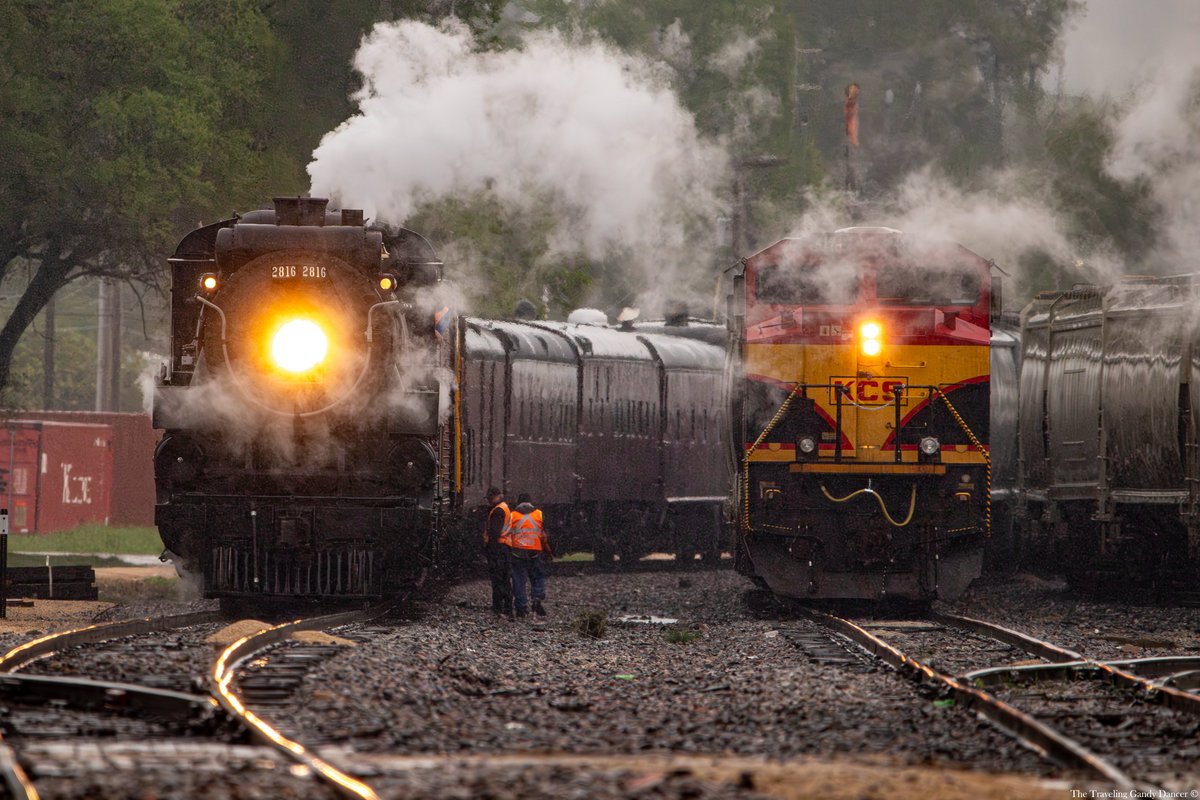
x=121 y=121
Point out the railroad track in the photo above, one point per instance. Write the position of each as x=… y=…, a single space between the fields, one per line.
x=133 y=711
x=1097 y=717
x=89 y=695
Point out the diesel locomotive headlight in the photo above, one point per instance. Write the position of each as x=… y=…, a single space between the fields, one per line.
x=929 y=446
x=299 y=345
x=870 y=336
x=806 y=446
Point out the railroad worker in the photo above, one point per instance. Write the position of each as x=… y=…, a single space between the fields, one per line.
x=525 y=535
x=496 y=553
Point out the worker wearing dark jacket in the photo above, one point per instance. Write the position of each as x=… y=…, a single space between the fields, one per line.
x=497 y=553
x=525 y=535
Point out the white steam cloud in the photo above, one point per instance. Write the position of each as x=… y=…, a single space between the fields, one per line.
x=1158 y=141
x=1003 y=221
x=595 y=131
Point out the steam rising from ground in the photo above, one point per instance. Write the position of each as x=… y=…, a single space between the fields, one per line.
x=595 y=131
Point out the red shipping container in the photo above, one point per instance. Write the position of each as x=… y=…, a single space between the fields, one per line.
x=134 y=440
x=60 y=474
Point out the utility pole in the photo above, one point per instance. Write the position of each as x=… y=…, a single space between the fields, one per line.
x=114 y=380
x=108 y=343
x=739 y=223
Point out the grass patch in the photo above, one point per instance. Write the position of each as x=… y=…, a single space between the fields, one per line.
x=681 y=635
x=591 y=624
x=89 y=539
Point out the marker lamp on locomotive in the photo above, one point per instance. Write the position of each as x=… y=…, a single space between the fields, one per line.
x=870 y=336
x=807 y=445
x=299 y=345
x=929 y=446
x=208 y=282
x=387 y=283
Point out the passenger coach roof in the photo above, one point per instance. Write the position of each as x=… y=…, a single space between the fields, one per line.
x=525 y=340
x=679 y=353
x=597 y=342
x=483 y=342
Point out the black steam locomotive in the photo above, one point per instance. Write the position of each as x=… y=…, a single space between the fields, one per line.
x=328 y=422
x=304 y=406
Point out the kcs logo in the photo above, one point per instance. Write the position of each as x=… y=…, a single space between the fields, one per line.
x=868 y=391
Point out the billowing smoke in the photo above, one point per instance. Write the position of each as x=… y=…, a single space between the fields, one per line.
x=595 y=133
x=1005 y=221
x=1143 y=61
x=1158 y=142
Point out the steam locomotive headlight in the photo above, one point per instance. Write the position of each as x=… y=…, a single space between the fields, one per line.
x=299 y=346
x=870 y=335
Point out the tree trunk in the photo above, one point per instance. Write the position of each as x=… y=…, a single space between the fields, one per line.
x=51 y=275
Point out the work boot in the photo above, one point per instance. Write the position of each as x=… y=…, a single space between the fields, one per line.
x=521 y=613
x=538 y=608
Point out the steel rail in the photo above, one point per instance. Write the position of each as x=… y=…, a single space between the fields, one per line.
x=22 y=654
x=1037 y=647
x=1171 y=697
x=221 y=679
x=87 y=694
x=1030 y=731
x=12 y=775
x=1070 y=664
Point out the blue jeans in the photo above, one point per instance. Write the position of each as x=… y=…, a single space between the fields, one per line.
x=527 y=570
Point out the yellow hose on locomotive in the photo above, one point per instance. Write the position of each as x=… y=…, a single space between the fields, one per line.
x=912 y=503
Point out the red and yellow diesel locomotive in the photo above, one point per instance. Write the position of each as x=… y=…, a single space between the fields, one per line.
x=861 y=372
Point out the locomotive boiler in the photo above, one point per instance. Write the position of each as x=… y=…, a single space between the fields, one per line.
x=304 y=407
x=862 y=363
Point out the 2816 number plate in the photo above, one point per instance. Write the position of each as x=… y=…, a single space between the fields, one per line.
x=297 y=271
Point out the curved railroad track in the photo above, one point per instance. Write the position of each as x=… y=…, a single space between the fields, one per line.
x=1105 y=725
x=134 y=711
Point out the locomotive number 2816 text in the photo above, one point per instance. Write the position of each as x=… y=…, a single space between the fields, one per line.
x=297 y=271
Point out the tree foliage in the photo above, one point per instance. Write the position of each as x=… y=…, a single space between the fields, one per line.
x=120 y=121
x=125 y=122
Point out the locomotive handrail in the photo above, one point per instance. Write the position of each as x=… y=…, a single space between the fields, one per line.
x=987 y=461
x=246 y=394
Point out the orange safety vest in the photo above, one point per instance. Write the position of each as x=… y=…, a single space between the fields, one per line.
x=524 y=531
x=487 y=521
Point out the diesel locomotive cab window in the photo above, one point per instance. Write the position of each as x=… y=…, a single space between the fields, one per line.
x=782 y=284
x=926 y=286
